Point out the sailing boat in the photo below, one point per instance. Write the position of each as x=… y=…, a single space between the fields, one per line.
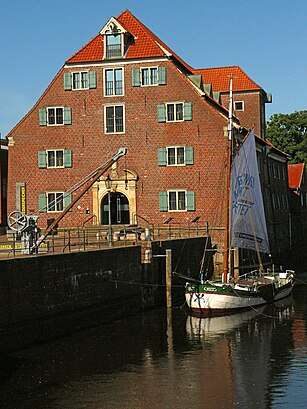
x=246 y=228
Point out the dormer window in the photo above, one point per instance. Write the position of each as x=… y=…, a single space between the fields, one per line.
x=116 y=39
x=113 y=46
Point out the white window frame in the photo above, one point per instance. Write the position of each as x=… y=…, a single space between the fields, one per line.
x=59 y=205
x=177 y=191
x=55 y=158
x=174 y=104
x=105 y=82
x=176 y=156
x=55 y=108
x=106 y=48
x=105 y=119
x=150 y=83
x=80 y=80
x=238 y=102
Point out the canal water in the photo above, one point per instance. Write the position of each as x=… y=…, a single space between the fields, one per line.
x=155 y=360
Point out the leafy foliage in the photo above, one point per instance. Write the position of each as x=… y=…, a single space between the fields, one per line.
x=288 y=132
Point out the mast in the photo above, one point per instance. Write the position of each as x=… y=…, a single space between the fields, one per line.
x=226 y=260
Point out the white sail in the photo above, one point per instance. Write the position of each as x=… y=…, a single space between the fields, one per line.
x=247 y=219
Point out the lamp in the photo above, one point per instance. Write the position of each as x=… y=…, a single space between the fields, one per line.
x=108 y=182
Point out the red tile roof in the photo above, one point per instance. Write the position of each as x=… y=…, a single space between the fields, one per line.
x=295 y=175
x=220 y=77
x=146 y=43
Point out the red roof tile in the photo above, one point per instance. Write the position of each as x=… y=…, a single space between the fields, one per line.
x=220 y=77
x=295 y=175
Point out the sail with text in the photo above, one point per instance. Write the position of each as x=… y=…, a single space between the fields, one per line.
x=247 y=219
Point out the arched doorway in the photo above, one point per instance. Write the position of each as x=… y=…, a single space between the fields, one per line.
x=119 y=209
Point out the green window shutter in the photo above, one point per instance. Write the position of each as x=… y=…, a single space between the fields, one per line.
x=67 y=81
x=136 y=77
x=162 y=157
x=163 y=201
x=42 y=160
x=42 y=117
x=190 y=201
x=161 y=75
x=161 y=113
x=92 y=79
x=67 y=158
x=189 y=155
x=67 y=198
x=67 y=116
x=187 y=111
x=42 y=202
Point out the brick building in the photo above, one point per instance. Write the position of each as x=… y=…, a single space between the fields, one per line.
x=127 y=88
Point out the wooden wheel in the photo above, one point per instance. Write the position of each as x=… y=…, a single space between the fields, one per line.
x=17 y=221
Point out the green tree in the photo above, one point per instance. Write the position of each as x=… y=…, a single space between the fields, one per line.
x=288 y=132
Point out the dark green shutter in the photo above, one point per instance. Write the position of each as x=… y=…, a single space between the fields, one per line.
x=136 y=77
x=42 y=202
x=163 y=201
x=67 y=198
x=187 y=111
x=161 y=75
x=189 y=155
x=161 y=113
x=67 y=81
x=92 y=79
x=42 y=160
x=162 y=157
x=67 y=116
x=67 y=158
x=42 y=117
x=190 y=201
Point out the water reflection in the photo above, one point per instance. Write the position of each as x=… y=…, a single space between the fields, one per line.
x=255 y=359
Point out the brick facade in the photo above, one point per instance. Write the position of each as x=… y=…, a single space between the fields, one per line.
x=139 y=177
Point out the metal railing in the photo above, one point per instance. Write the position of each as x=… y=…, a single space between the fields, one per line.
x=96 y=238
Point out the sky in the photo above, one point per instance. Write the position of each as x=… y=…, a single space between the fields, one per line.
x=266 y=38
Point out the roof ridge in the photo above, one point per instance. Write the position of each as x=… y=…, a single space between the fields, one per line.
x=153 y=37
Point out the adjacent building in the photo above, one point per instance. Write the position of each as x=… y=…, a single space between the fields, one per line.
x=125 y=87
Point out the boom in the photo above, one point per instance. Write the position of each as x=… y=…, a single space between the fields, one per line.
x=93 y=177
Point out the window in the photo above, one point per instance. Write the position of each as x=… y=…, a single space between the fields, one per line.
x=53 y=201
x=176 y=156
x=55 y=159
x=148 y=76
x=239 y=106
x=113 y=46
x=79 y=80
x=177 y=201
x=113 y=81
x=53 y=116
x=175 y=112
x=114 y=119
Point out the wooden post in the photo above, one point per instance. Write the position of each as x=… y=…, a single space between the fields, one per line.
x=168 y=278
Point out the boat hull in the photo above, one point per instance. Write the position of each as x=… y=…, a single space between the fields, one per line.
x=220 y=298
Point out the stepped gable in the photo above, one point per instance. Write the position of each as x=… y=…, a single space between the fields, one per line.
x=219 y=79
x=146 y=44
x=295 y=175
